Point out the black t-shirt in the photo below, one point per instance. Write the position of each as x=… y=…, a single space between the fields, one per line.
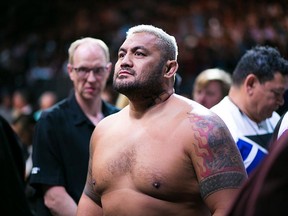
x=61 y=146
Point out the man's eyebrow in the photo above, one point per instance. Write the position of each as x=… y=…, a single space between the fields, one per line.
x=282 y=90
x=139 y=47
x=122 y=49
x=134 y=49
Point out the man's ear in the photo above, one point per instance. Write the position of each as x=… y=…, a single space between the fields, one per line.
x=250 y=83
x=109 y=68
x=171 y=68
x=70 y=70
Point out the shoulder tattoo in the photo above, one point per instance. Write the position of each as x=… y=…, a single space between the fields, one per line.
x=219 y=163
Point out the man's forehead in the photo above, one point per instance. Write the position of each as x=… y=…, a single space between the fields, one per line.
x=143 y=39
x=88 y=47
x=89 y=50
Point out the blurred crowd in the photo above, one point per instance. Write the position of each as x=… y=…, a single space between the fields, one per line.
x=35 y=35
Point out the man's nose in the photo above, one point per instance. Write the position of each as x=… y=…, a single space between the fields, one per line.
x=91 y=76
x=126 y=60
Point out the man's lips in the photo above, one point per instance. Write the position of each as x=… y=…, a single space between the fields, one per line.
x=89 y=89
x=124 y=72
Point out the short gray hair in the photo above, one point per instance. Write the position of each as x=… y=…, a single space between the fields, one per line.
x=91 y=41
x=167 y=43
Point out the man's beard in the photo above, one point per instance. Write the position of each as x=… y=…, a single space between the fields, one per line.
x=150 y=85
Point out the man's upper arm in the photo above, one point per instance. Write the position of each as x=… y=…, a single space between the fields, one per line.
x=90 y=201
x=87 y=207
x=216 y=158
x=220 y=201
x=89 y=191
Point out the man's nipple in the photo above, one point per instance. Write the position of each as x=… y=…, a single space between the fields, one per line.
x=156 y=185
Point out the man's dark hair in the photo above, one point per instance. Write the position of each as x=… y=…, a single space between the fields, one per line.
x=263 y=62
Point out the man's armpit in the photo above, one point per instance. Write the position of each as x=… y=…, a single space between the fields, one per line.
x=221 y=181
x=88 y=190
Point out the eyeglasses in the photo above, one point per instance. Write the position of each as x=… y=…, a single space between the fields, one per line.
x=83 y=72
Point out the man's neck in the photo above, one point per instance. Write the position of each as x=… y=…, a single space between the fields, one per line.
x=90 y=107
x=139 y=106
x=239 y=100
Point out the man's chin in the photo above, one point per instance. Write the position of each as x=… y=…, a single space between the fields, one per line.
x=124 y=91
x=125 y=87
x=89 y=96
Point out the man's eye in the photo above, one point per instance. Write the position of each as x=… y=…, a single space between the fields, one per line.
x=277 y=93
x=120 y=55
x=139 y=54
x=84 y=69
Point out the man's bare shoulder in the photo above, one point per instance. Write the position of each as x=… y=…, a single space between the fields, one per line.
x=106 y=125
x=112 y=118
x=192 y=107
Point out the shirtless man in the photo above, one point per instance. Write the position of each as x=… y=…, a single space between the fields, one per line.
x=163 y=154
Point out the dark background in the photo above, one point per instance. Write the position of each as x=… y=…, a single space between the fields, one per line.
x=35 y=35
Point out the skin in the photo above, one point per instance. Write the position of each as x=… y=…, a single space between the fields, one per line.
x=162 y=151
x=259 y=100
x=88 y=95
x=47 y=100
x=209 y=95
x=88 y=90
x=20 y=104
x=18 y=100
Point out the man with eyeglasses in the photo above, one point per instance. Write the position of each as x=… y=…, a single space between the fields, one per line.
x=61 y=142
x=259 y=82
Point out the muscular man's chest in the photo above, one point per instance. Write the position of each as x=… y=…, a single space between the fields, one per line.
x=146 y=161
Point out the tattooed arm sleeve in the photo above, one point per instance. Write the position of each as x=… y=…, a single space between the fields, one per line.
x=216 y=159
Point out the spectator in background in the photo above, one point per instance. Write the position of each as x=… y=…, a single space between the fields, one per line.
x=62 y=135
x=211 y=86
x=21 y=103
x=47 y=99
x=13 y=198
x=259 y=82
x=6 y=105
x=23 y=126
x=209 y=33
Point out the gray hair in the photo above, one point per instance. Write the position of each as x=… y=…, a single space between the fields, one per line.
x=92 y=42
x=166 y=42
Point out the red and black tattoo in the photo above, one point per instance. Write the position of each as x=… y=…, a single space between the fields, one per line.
x=219 y=162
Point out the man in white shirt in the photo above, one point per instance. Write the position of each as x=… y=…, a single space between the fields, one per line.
x=259 y=82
